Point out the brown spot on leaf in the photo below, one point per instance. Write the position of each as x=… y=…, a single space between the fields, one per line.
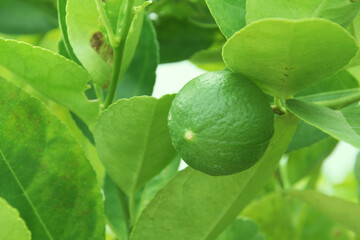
x=102 y=47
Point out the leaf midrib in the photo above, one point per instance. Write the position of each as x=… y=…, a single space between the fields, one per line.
x=26 y=196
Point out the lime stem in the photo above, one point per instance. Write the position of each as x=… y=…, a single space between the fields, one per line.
x=119 y=54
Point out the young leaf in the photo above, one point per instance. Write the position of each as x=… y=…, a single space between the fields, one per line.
x=303 y=161
x=44 y=172
x=61 y=4
x=229 y=15
x=50 y=74
x=338 y=11
x=186 y=201
x=133 y=141
x=273 y=215
x=12 y=226
x=137 y=82
x=27 y=16
x=286 y=56
x=83 y=27
x=339 y=210
x=342 y=125
x=242 y=229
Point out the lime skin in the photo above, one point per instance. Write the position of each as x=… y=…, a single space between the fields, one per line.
x=221 y=123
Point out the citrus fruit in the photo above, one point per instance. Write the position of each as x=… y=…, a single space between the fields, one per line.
x=220 y=123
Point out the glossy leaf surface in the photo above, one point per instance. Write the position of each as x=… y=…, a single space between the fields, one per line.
x=338 y=11
x=136 y=148
x=186 y=200
x=342 y=125
x=286 y=56
x=44 y=172
x=12 y=226
x=50 y=74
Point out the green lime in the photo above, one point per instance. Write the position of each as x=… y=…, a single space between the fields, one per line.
x=221 y=123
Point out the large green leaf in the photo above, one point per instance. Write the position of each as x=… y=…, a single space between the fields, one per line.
x=273 y=215
x=339 y=11
x=229 y=15
x=341 y=211
x=12 y=226
x=27 y=16
x=342 y=125
x=140 y=81
x=285 y=56
x=204 y=205
x=50 y=74
x=44 y=172
x=133 y=141
x=306 y=160
x=242 y=229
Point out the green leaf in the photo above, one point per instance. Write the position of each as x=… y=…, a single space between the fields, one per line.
x=50 y=74
x=55 y=188
x=338 y=11
x=242 y=229
x=341 y=211
x=342 y=125
x=304 y=161
x=61 y=4
x=27 y=16
x=191 y=195
x=357 y=173
x=83 y=25
x=180 y=39
x=136 y=147
x=135 y=81
x=286 y=56
x=266 y=210
x=305 y=135
x=12 y=226
x=117 y=217
x=229 y=15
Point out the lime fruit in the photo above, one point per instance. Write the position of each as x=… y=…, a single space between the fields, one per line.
x=221 y=123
